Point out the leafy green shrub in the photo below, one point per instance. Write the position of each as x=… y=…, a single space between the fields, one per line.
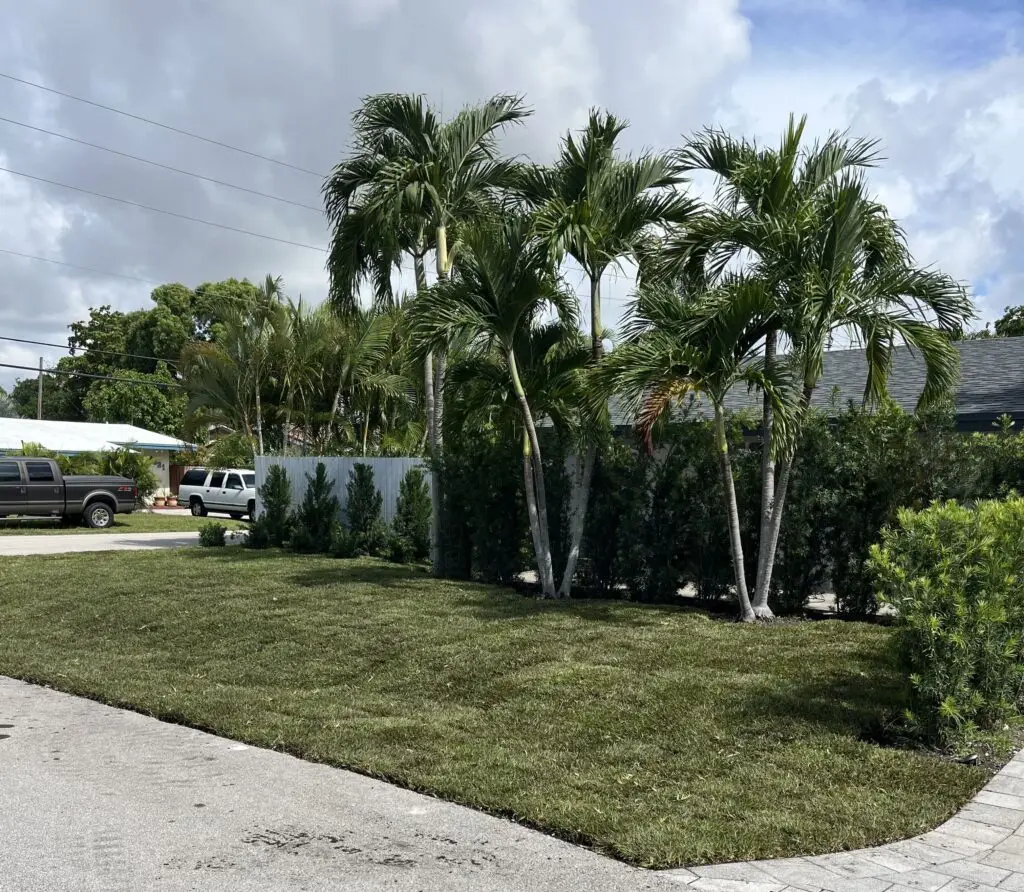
x=956 y=576
x=135 y=466
x=315 y=519
x=229 y=451
x=273 y=527
x=342 y=544
x=411 y=526
x=212 y=535
x=363 y=511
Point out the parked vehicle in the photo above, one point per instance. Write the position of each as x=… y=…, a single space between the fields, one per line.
x=230 y=490
x=35 y=487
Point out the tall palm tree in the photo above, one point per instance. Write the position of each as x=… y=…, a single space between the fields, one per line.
x=600 y=207
x=412 y=182
x=360 y=365
x=668 y=354
x=301 y=347
x=226 y=378
x=777 y=214
x=836 y=263
x=503 y=285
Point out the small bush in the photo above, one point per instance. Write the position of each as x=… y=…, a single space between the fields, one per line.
x=212 y=535
x=363 y=510
x=411 y=528
x=272 y=529
x=955 y=575
x=342 y=545
x=315 y=519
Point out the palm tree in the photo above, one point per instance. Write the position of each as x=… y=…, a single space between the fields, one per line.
x=600 y=208
x=835 y=262
x=412 y=182
x=361 y=365
x=667 y=353
x=301 y=346
x=504 y=282
x=226 y=378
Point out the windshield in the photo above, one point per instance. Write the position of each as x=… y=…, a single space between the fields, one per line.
x=250 y=480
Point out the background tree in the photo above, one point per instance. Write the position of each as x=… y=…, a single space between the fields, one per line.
x=160 y=406
x=411 y=184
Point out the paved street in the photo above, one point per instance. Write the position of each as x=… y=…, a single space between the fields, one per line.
x=66 y=543
x=94 y=798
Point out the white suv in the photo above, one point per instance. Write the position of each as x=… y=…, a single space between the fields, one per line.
x=230 y=490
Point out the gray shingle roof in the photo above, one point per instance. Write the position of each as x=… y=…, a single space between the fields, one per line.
x=991 y=383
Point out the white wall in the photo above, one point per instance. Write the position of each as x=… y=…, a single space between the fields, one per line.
x=162 y=468
x=387 y=475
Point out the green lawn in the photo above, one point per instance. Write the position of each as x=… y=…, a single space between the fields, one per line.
x=123 y=523
x=656 y=735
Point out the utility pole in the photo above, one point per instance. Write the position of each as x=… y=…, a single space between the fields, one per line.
x=39 y=397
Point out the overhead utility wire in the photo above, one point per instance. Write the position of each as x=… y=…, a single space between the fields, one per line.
x=90 y=269
x=178 y=130
x=135 y=381
x=187 y=173
x=147 y=207
x=86 y=349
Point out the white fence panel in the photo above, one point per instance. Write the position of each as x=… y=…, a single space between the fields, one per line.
x=387 y=475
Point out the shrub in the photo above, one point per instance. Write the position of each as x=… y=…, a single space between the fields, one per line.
x=955 y=575
x=134 y=465
x=411 y=526
x=315 y=519
x=212 y=535
x=363 y=510
x=272 y=528
x=342 y=545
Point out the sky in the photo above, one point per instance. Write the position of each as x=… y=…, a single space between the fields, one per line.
x=939 y=82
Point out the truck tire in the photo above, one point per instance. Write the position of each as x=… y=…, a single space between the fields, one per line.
x=197 y=507
x=250 y=509
x=99 y=515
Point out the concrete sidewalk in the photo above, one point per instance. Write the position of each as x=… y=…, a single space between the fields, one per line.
x=94 y=798
x=67 y=543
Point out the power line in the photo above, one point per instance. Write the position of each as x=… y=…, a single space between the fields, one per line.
x=87 y=349
x=147 y=207
x=178 y=130
x=77 y=266
x=198 y=176
x=135 y=381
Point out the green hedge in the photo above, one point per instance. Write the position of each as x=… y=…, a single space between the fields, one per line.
x=657 y=524
x=955 y=574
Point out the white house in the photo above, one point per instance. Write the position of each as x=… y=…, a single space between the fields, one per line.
x=76 y=437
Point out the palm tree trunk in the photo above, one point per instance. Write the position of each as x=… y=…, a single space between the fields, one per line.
x=761 y=608
x=259 y=421
x=597 y=345
x=287 y=426
x=529 y=487
x=781 y=485
x=545 y=565
x=366 y=432
x=582 y=484
x=578 y=518
x=732 y=510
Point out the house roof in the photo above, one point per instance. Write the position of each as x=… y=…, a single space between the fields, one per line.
x=991 y=383
x=82 y=436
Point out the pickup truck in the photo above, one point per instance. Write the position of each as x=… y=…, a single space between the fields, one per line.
x=35 y=487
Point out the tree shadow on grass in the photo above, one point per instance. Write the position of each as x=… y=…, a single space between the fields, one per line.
x=848 y=698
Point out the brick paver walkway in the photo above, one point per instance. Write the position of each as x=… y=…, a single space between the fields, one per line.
x=979 y=850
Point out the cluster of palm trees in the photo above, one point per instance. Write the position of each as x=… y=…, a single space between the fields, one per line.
x=282 y=374
x=745 y=289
